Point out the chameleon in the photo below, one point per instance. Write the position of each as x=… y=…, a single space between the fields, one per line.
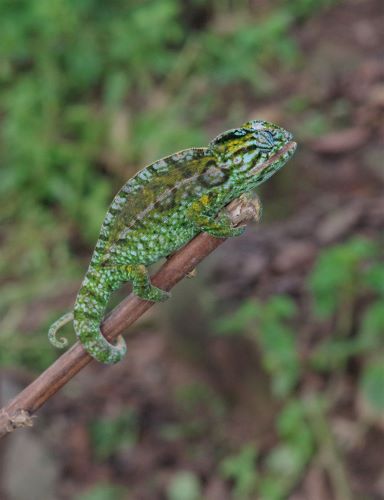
x=159 y=210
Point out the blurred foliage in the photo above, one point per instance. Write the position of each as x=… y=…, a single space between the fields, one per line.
x=240 y=468
x=83 y=91
x=109 y=435
x=184 y=486
x=103 y=491
x=342 y=278
x=338 y=274
x=30 y=351
x=199 y=406
x=275 y=335
x=91 y=91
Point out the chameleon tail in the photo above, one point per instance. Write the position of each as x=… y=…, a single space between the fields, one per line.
x=53 y=329
x=89 y=311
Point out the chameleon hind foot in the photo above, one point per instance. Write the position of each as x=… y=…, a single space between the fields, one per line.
x=141 y=283
x=55 y=327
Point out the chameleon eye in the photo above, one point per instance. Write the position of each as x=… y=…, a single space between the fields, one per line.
x=264 y=139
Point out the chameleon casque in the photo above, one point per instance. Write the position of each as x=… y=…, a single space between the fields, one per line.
x=159 y=210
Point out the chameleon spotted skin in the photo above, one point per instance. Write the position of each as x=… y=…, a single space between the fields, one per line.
x=159 y=210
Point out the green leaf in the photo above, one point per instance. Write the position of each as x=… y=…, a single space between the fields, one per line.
x=184 y=486
x=109 y=435
x=240 y=319
x=286 y=459
x=371 y=332
x=281 y=306
x=372 y=383
x=103 y=491
x=332 y=354
x=337 y=274
x=375 y=277
x=241 y=469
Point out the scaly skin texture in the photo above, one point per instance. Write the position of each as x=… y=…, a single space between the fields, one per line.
x=159 y=210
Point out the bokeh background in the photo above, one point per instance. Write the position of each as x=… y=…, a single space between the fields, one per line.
x=262 y=378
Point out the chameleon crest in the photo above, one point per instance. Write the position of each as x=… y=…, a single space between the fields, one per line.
x=159 y=210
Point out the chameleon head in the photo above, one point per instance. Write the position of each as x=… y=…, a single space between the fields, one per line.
x=252 y=153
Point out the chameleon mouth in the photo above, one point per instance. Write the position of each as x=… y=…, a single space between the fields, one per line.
x=285 y=153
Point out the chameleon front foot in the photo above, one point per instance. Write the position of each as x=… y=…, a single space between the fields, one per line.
x=221 y=227
x=225 y=231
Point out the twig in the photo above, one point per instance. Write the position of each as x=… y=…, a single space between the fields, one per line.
x=19 y=411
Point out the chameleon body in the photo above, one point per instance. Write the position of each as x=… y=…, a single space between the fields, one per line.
x=159 y=210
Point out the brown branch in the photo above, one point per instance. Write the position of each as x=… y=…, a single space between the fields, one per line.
x=19 y=411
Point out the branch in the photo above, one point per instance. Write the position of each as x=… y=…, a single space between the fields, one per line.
x=19 y=411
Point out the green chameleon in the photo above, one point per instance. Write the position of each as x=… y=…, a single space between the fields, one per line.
x=159 y=210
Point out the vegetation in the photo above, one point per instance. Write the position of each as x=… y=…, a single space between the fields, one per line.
x=90 y=92
x=343 y=276
x=82 y=94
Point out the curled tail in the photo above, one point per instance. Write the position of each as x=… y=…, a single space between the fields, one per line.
x=89 y=311
x=53 y=329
